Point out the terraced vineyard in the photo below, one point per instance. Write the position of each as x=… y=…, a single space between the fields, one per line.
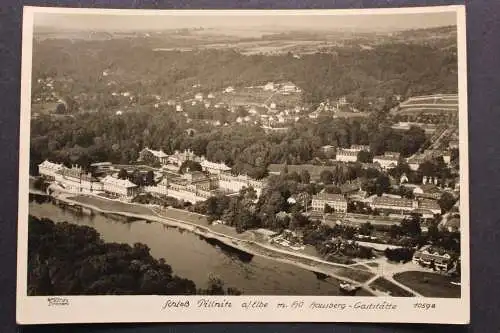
x=440 y=103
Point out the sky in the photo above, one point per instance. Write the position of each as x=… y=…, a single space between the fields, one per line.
x=379 y=22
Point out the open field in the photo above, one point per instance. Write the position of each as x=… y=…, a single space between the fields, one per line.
x=111 y=205
x=384 y=285
x=429 y=284
x=43 y=108
x=314 y=170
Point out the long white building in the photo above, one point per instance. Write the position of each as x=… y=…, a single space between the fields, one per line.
x=233 y=184
x=215 y=168
x=120 y=187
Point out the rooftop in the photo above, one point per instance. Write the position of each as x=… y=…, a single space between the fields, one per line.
x=119 y=182
x=396 y=202
x=330 y=197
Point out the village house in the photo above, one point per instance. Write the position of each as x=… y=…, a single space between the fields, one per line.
x=177 y=158
x=148 y=154
x=415 y=161
x=387 y=161
x=358 y=148
x=429 y=191
x=289 y=87
x=48 y=169
x=229 y=90
x=122 y=188
x=346 y=155
x=336 y=201
x=431 y=257
x=269 y=86
x=198 y=97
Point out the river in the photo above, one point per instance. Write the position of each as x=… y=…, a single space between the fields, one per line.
x=194 y=257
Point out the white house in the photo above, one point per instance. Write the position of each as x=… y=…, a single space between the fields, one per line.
x=388 y=160
x=120 y=187
x=198 y=97
x=158 y=155
x=269 y=86
x=336 y=201
x=229 y=90
x=346 y=155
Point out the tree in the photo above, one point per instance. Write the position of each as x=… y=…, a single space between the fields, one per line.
x=305 y=177
x=382 y=184
x=61 y=108
x=190 y=166
x=446 y=201
x=411 y=226
x=366 y=228
x=326 y=176
x=150 y=178
x=122 y=174
x=365 y=157
x=328 y=209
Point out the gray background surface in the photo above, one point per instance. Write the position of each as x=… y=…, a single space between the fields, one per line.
x=483 y=39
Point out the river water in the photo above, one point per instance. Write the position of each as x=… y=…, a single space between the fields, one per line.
x=194 y=257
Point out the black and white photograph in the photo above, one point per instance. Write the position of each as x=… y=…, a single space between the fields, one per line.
x=233 y=165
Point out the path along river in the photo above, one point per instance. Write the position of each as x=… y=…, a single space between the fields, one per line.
x=194 y=257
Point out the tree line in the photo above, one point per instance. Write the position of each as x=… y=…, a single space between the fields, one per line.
x=66 y=259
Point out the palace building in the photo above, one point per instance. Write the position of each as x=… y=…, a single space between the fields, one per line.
x=120 y=187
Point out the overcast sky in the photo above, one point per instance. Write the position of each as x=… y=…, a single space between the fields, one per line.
x=380 y=22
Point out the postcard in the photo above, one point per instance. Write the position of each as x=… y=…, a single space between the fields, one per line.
x=243 y=166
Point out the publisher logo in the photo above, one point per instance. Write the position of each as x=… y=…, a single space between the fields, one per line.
x=57 y=301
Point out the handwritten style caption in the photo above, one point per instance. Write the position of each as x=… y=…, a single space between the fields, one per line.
x=298 y=304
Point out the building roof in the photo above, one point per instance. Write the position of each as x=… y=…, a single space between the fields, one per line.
x=429 y=252
x=213 y=165
x=429 y=188
x=50 y=165
x=347 y=188
x=429 y=204
x=360 y=147
x=156 y=153
x=329 y=197
x=395 y=202
x=119 y=182
x=346 y=152
x=385 y=158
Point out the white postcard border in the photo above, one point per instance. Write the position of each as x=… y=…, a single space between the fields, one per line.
x=103 y=309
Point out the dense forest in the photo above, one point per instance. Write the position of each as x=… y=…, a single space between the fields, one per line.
x=66 y=259
x=95 y=137
x=389 y=68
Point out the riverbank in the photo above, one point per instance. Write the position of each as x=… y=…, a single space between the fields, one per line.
x=253 y=247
